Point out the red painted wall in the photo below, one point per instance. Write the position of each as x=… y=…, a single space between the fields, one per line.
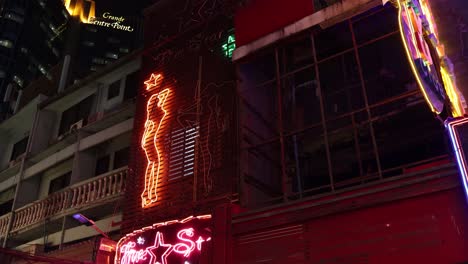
x=429 y=229
x=261 y=17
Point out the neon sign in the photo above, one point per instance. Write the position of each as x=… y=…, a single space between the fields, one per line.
x=431 y=67
x=457 y=137
x=110 y=21
x=84 y=9
x=229 y=46
x=156 y=113
x=166 y=243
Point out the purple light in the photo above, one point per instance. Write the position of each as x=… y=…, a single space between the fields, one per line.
x=83 y=219
x=455 y=139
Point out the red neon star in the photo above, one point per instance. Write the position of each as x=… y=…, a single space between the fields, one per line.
x=152 y=81
x=159 y=243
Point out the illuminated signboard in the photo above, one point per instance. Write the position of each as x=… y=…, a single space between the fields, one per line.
x=458 y=131
x=429 y=64
x=156 y=112
x=229 y=46
x=173 y=242
x=84 y=9
x=110 y=21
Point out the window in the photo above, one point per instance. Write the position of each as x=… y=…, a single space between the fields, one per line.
x=317 y=124
x=5 y=207
x=182 y=152
x=113 y=90
x=76 y=113
x=121 y=158
x=19 y=148
x=6 y=43
x=59 y=183
x=102 y=165
x=111 y=55
x=131 y=85
x=6 y=200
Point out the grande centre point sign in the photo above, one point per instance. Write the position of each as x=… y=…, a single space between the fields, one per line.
x=173 y=242
x=110 y=21
x=431 y=67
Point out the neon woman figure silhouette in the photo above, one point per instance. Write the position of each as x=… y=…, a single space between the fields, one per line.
x=149 y=142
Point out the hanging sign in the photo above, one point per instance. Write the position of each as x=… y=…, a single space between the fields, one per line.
x=430 y=65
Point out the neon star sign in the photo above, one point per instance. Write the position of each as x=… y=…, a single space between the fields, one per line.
x=156 y=112
x=430 y=65
x=170 y=242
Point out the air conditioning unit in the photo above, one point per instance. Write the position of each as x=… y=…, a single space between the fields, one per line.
x=95 y=117
x=17 y=160
x=74 y=127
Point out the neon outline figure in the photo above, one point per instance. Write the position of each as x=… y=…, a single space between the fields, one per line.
x=149 y=141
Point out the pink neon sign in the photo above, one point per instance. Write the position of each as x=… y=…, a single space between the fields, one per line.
x=166 y=243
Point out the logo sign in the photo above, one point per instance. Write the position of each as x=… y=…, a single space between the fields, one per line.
x=432 y=69
x=173 y=242
x=110 y=21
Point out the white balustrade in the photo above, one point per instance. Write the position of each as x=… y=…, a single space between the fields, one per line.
x=98 y=189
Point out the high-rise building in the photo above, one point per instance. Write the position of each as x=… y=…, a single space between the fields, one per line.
x=31 y=43
x=58 y=43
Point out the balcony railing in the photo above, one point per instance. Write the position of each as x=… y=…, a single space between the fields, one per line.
x=93 y=191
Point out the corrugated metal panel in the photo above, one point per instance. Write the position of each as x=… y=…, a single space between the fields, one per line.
x=279 y=245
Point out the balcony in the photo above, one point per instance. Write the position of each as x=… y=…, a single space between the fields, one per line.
x=81 y=196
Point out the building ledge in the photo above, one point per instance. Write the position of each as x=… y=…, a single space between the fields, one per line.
x=325 y=18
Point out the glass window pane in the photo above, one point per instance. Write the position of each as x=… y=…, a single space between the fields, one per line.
x=375 y=23
x=343 y=149
x=386 y=69
x=296 y=55
x=340 y=85
x=306 y=163
x=400 y=142
x=333 y=40
x=301 y=101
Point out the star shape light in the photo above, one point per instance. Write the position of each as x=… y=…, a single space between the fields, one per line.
x=140 y=240
x=159 y=243
x=152 y=81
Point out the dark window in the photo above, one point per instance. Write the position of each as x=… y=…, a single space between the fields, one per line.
x=386 y=74
x=113 y=90
x=59 y=183
x=5 y=207
x=75 y=113
x=102 y=165
x=121 y=158
x=333 y=40
x=131 y=85
x=19 y=148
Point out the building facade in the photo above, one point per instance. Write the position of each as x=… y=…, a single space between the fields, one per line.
x=66 y=156
x=340 y=155
x=330 y=134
